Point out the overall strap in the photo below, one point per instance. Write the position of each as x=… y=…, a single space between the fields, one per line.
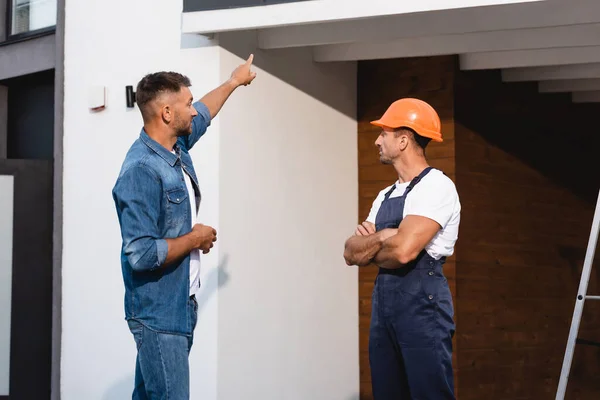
x=389 y=192
x=416 y=180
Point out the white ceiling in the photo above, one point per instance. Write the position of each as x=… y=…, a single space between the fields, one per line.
x=554 y=42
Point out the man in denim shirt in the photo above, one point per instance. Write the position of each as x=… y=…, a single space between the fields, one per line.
x=157 y=199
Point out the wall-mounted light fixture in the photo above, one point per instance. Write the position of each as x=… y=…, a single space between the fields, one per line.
x=130 y=96
x=96 y=98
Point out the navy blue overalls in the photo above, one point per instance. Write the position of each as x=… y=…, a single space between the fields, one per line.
x=410 y=339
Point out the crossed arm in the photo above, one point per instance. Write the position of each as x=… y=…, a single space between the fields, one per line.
x=390 y=248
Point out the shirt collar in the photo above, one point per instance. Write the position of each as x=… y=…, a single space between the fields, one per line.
x=165 y=154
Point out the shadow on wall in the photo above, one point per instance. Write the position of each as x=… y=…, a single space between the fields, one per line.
x=122 y=389
x=296 y=67
x=216 y=278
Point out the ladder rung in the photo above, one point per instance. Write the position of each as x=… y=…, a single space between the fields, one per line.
x=587 y=342
x=592 y=297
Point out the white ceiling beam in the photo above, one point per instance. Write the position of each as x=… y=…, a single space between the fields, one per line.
x=582 y=71
x=539 y=38
x=456 y=21
x=306 y=12
x=569 y=85
x=586 y=97
x=530 y=58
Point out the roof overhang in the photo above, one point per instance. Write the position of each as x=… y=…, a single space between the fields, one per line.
x=531 y=40
x=317 y=11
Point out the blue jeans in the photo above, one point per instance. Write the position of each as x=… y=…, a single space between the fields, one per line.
x=162 y=365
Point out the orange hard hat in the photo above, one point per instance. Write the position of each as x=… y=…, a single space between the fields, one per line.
x=414 y=114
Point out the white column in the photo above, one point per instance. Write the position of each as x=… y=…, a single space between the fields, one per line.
x=6 y=234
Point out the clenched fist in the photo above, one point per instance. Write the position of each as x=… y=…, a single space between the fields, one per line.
x=204 y=236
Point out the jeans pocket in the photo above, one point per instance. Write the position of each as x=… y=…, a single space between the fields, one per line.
x=137 y=330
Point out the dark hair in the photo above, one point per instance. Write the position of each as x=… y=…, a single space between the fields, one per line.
x=152 y=85
x=419 y=140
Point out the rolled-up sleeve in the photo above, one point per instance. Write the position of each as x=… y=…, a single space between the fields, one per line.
x=200 y=124
x=137 y=195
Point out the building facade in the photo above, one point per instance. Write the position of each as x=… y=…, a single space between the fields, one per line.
x=30 y=187
x=281 y=316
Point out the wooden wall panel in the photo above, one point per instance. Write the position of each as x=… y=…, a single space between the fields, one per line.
x=527 y=181
x=380 y=83
x=526 y=171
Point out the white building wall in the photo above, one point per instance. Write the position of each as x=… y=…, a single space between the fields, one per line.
x=288 y=314
x=279 y=308
x=113 y=44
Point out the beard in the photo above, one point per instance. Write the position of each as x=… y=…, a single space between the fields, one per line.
x=183 y=132
x=385 y=160
x=182 y=128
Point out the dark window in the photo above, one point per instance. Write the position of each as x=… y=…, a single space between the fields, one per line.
x=30 y=116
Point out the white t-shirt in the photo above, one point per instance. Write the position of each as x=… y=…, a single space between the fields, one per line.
x=195 y=254
x=434 y=197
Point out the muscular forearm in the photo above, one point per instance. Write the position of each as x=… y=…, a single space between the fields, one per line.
x=215 y=99
x=180 y=247
x=396 y=252
x=360 y=250
x=387 y=257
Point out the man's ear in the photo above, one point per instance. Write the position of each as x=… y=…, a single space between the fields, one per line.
x=403 y=141
x=167 y=113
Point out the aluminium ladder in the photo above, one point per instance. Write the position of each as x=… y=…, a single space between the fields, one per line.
x=581 y=297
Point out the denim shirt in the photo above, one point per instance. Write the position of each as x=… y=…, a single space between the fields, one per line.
x=152 y=205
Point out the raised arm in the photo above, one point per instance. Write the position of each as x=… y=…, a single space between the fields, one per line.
x=241 y=76
x=210 y=105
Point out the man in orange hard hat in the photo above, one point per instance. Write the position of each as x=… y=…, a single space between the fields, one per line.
x=411 y=229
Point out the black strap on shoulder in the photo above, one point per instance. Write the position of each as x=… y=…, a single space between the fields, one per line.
x=411 y=185
x=416 y=180
x=389 y=192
